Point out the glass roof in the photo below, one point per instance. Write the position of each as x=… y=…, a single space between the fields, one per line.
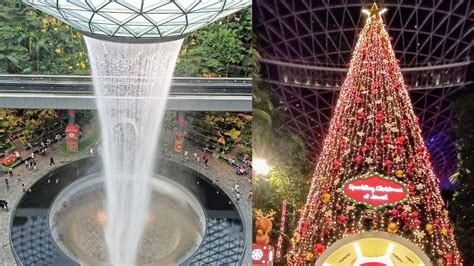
x=139 y=18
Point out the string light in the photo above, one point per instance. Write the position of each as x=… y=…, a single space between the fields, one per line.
x=374 y=129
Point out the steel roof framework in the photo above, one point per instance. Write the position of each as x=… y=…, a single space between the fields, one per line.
x=306 y=47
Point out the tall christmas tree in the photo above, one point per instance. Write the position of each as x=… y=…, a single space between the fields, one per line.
x=374 y=172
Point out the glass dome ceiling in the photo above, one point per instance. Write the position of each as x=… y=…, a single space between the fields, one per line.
x=151 y=20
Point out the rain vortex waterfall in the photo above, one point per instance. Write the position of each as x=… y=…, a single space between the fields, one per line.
x=131 y=83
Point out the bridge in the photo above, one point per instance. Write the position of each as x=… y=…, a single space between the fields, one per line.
x=76 y=92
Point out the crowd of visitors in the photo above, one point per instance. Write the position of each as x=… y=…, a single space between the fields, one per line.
x=31 y=164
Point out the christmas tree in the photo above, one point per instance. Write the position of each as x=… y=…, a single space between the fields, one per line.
x=374 y=172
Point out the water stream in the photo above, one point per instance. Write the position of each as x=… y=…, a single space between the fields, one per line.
x=131 y=83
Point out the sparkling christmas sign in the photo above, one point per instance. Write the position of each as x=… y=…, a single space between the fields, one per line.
x=375 y=190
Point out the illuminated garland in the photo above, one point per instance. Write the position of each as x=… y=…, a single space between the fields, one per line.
x=374 y=129
x=282 y=230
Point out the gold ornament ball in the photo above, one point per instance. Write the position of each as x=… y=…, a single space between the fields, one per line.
x=444 y=231
x=392 y=228
x=429 y=228
x=399 y=173
x=297 y=238
x=309 y=256
x=326 y=197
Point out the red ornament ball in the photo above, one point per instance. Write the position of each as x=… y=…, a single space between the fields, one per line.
x=388 y=163
x=379 y=116
x=359 y=160
x=319 y=248
x=401 y=140
x=386 y=138
x=394 y=212
x=448 y=257
x=414 y=214
x=404 y=214
x=370 y=140
x=420 y=149
x=360 y=115
x=342 y=219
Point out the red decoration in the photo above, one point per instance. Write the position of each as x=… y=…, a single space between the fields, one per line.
x=262 y=254
x=359 y=160
x=386 y=138
x=379 y=116
x=360 y=115
x=388 y=164
x=448 y=257
x=336 y=164
x=341 y=219
x=394 y=212
x=282 y=230
x=319 y=248
x=371 y=140
x=375 y=191
x=401 y=140
x=420 y=149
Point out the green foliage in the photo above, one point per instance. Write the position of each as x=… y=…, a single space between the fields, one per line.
x=286 y=154
x=219 y=49
x=234 y=127
x=32 y=42
x=27 y=123
x=463 y=203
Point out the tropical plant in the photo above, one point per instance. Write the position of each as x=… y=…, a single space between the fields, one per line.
x=462 y=209
x=219 y=49
x=286 y=153
x=33 y=42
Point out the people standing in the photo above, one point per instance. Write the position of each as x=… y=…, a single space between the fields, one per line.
x=51 y=161
x=206 y=160
x=7 y=183
x=186 y=156
x=10 y=171
x=32 y=156
x=34 y=165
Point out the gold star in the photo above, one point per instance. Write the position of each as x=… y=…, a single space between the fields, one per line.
x=369 y=160
x=407 y=208
x=350 y=208
x=360 y=133
x=374 y=10
x=328 y=213
x=419 y=186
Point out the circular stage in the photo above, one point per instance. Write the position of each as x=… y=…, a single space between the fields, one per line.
x=191 y=220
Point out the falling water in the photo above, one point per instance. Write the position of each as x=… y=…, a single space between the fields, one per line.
x=131 y=84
